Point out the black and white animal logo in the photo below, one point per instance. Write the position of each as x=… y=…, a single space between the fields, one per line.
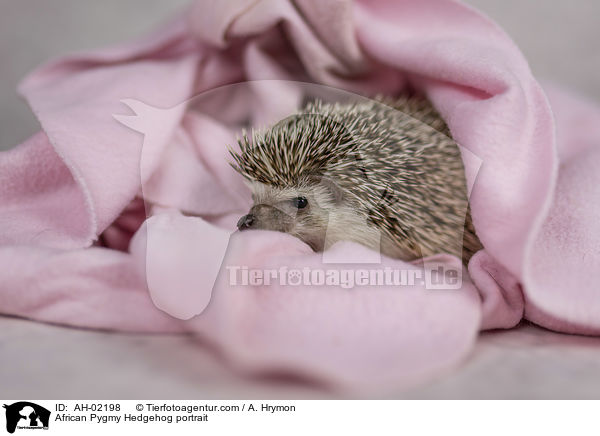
x=26 y=415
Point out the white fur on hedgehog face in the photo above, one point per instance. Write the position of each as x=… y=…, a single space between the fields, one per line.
x=325 y=217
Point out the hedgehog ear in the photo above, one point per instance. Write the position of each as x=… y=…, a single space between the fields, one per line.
x=332 y=188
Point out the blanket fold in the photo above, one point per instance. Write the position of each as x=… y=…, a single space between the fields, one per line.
x=150 y=121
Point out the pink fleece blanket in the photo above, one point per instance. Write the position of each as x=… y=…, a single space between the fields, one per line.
x=77 y=247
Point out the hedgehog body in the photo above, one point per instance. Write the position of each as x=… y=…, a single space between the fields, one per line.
x=383 y=173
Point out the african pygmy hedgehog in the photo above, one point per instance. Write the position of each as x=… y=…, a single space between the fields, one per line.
x=383 y=173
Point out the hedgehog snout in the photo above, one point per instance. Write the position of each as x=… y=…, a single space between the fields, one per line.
x=245 y=222
x=266 y=217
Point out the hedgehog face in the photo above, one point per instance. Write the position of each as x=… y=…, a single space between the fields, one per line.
x=303 y=211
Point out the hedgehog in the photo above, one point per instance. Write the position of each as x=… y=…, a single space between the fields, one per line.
x=384 y=173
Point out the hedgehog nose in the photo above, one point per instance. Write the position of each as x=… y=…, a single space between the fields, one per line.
x=245 y=222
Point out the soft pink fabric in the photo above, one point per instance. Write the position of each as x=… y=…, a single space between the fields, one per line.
x=534 y=200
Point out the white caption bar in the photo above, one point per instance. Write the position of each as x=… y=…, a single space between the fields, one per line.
x=276 y=417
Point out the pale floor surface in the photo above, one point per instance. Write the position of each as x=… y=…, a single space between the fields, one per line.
x=47 y=362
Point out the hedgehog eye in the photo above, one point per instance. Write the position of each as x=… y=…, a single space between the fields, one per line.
x=300 y=202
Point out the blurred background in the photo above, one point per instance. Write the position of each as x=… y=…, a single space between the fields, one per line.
x=561 y=40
